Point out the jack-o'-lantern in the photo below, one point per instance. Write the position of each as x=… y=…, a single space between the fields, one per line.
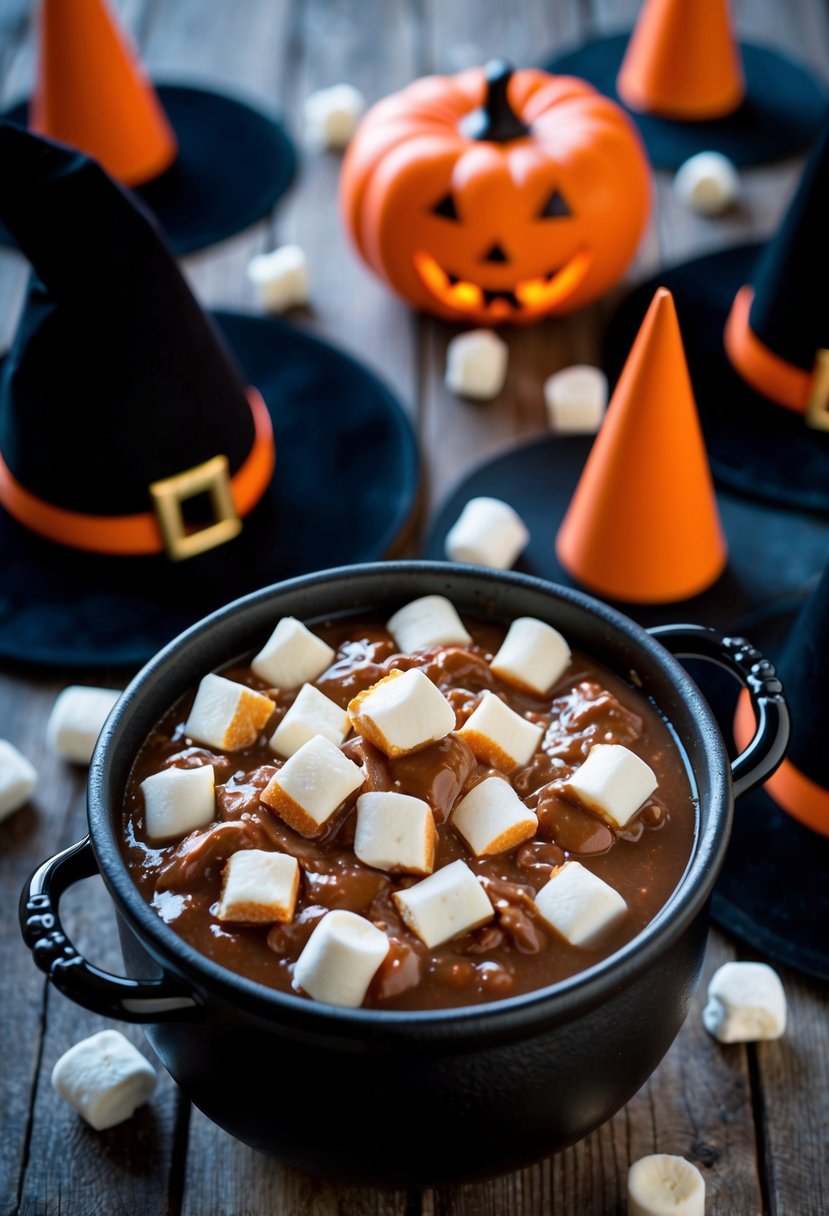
x=496 y=196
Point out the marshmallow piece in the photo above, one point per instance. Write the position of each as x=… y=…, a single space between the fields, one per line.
x=227 y=715
x=662 y=1185
x=613 y=782
x=310 y=786
x=492 y=818
x=395 y=832
x=402 y=713
x=447 y=903
x=499 y=736
x=292 y=656
x=707 y=183
x=533 y=655
x=312 y=713
x=576 y=399
x=578 y=904
x=104 y=1078
x=280 y=278
x=17 y=779
x=488 y=532
x=331 y=115
x=425 y=623
x=476 y=364
x=259 y=888
x=178 y=800
x=77 y=719
x=340 y=959
x=746 y=1002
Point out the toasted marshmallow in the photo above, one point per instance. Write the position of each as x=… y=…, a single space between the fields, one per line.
x=340 y=959
x=488 y=532
x=77 y=719
x=395 y=832
x=476 y=364
x=533 y=655
x=104 y=1078
x=292 y=656
x=746 y=1002
x=576 y=399
x=18 y=779
x=447 y=903
x=707 y=183
x=312 y=713
x=492 y=818
x=259 y=888
x=281 y=278
x=310 y=786
x=662 y=1185
x=613 y=782
x=499 y=736
x=402 y=713
x=331 y=115
x=427 y=622
x=578 y=904
x=178 y=800
x=227 y=715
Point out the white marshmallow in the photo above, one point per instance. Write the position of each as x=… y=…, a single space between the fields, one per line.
x=476 y=364
x=312 y=713
x=663 y=1185
x=310 y=786
x=499 y=736
x=281 y=278
x=104 y=1078
x=492 y=818
x=533 y=655
x=227 y=715
x=613 y=782
x=427 y=622
x=447 y=903
x=340 y=959
x=707 y=183
x=178 y=800
x=77 y=719
x=331 y=115
x=578 y=904
x=576 y=399
x=18 y=779
x=292 y=656
x=403 y=712
x=259 y=887
x=395 y=832
x=746 y=1002
x=488 y=532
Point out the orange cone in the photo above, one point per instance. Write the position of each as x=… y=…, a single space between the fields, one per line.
x=92 y=92
x=682 y=61
x=643 y=524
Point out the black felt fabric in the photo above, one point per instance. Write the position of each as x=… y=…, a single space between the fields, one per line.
x=804 y=670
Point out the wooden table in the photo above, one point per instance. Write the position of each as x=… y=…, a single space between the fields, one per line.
x=753 y=1118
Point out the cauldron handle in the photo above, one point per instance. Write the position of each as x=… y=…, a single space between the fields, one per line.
x=114 y=996
x=758 y=760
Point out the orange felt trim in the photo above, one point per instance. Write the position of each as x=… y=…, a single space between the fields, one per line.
x=765 y=371
x=138 y=534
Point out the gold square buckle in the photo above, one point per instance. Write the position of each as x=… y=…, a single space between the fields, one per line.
x=213 y=478
x=817 y=411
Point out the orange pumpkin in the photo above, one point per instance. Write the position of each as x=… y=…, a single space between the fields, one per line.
x=496 y=196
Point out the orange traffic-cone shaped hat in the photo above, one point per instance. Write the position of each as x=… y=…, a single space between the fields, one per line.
x=643 y=525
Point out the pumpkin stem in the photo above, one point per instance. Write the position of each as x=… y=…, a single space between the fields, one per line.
x=495 y=121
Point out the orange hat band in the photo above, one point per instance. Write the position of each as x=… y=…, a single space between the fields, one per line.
x=765 y=371
x=163 y=529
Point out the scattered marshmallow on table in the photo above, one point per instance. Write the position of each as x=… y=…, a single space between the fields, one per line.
x=578 y=904
x=310 y=786
x=281 y=278
x=178 y=800
x=576 y=399
x=395 y=832
x=707 y=183
x=476 y=364
x=259 y=887
x=18 y=779
x=492 y=818
x=488 y=532
x=104 y=1078
x=341 y=958
x=292 y=656
x=498 y=735
x=424 y=623
x=746 y=1002
x=613 y=782
x=533 y=655
x=226 y=714
x=312 y=713
x=402 y=713
x=331 y=115
x=77 y=719
x=449 y=902
x=664 y=1185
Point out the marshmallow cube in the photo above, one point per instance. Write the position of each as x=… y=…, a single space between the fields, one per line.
x=533 y=655
x=331 y=115
x=447 y=903
x=492 y=818
x=578 y=904
x=280 y=278
x=613 y=782
x=746 y=1002
x=227 y=715
x=576 y=399
x=476 y=364
x=310 y=786
x=499 y=736
x=17 y=779
x=395 y=832
x=425 y=623
x=488 y=532
x=178 y=800
x=664 y=1185
x=707 y=183
x=340 y=959
x=312 y=713
x=77 y=719
x=292 y=656
x=259 y=888
x=402 y=713
x=104 y=1078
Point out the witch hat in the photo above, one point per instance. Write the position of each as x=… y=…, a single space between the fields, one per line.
x=207 y=164
x=137 y=484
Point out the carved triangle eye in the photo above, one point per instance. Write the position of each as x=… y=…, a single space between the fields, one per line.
x=555 y=207
x=446 y=208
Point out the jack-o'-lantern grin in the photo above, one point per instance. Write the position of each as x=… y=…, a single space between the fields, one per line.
x=531 y=296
